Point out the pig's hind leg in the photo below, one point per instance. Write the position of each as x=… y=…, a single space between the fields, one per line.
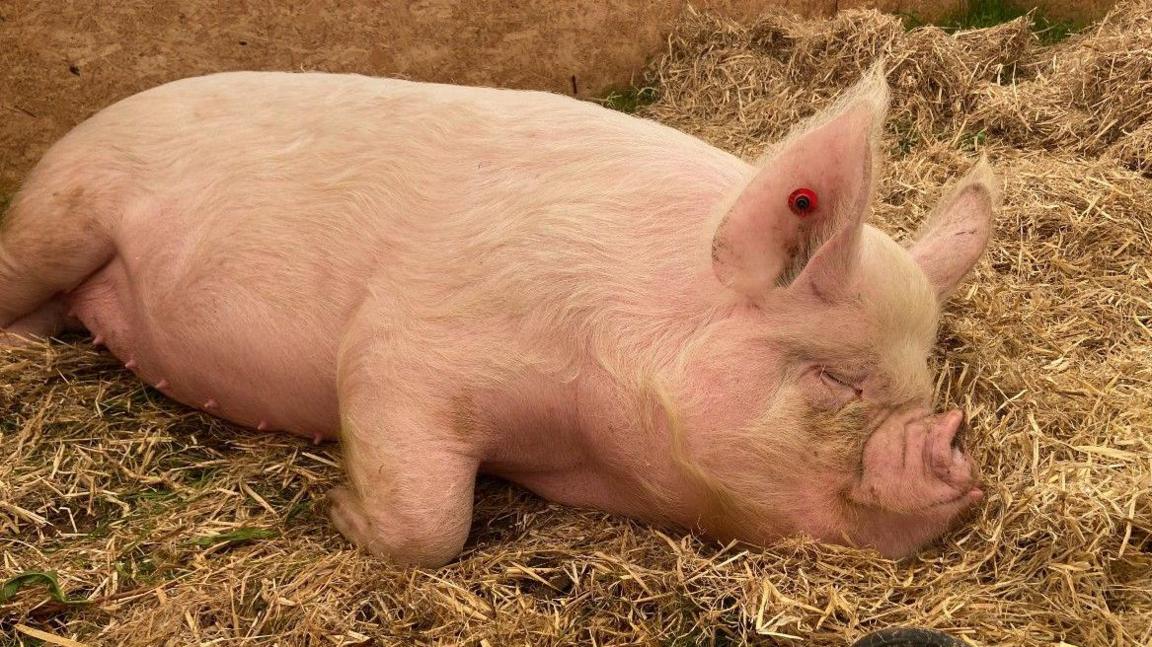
x=52 y=238
x=48 y=320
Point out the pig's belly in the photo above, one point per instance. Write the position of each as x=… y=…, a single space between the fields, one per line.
x=235 y=359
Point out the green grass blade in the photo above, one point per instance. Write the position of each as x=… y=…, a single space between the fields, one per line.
x=33 y=578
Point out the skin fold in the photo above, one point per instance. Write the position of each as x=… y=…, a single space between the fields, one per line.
x=453 y=280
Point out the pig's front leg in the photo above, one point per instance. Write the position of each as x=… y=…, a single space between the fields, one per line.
x=410 y=476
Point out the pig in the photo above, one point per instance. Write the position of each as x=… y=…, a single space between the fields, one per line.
x=455 y=280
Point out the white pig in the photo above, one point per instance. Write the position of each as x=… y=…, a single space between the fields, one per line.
x=449 y=280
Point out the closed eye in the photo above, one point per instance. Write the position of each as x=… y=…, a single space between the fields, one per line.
x=840 y=384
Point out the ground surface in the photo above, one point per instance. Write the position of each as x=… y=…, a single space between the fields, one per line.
x=179 y=530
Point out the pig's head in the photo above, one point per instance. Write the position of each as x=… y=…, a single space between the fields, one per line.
x=813 y=396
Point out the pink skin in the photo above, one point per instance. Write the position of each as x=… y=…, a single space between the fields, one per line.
x=451 y=280
x=924 y=460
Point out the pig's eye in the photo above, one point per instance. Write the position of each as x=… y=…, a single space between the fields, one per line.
x=839 y=384
x=802 y=201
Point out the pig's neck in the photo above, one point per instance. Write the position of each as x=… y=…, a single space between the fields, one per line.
x=601 y=439
x=647 y=294
x=643 y=406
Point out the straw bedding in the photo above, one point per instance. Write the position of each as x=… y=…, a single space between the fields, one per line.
x=181 y=530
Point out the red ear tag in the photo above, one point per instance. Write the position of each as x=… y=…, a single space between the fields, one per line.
x=802 y=201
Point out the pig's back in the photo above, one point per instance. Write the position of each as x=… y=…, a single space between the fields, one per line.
x=258 y=210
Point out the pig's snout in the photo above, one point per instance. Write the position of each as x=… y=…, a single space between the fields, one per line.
x=918 y=464
x=945 y=446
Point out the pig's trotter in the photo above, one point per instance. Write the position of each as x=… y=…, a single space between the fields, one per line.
x=411 y=509
x=349 y=518
x=48 y=320
x=382 y=529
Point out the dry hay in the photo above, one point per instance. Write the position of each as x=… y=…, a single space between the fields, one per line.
x=146 y=508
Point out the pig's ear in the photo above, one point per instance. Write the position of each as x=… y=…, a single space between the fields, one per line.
x=954 y=236
x=801 y=214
